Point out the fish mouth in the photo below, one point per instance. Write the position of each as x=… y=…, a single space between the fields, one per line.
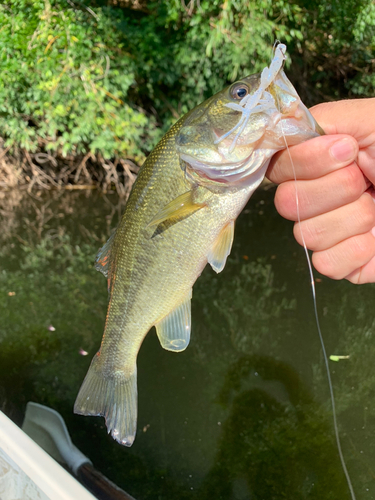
x=224 y=174
x=285 y=131
x=291 y=130
x=200 y=165
x=300 y=127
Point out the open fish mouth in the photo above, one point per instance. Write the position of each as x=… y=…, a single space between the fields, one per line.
x=270 y=117
x=282 y=132
x=225 y=173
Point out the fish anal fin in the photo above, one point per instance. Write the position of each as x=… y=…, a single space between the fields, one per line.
x=111 y=396
x=220 y=250
x=181 y=207
x=174 y=330
x=104 y=256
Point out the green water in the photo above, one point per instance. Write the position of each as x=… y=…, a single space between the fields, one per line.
x=244 y=413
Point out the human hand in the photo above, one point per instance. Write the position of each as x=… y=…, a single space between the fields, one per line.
x=335 y=185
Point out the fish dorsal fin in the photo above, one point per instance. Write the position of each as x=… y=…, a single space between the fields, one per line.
x=220 y=250
x=180 y=208
x=104 y=256
x=174 y=330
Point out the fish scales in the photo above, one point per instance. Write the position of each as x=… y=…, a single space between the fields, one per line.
x=155 y=286
x=179 y=216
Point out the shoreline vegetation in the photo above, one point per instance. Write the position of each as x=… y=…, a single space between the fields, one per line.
x=88 y=87
x=24 y=170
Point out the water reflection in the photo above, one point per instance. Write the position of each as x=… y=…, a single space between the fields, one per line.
x=244 y=412
x=275 y=443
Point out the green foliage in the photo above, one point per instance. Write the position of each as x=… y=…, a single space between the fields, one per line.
x=364 y=36
x=78 y=78
x=185 y=53
x=64 y=78
x=184 y=56
x=335 y=59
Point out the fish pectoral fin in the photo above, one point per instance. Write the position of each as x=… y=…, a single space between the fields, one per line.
x=181 y=207
x=104 y=255
x=113 y=396
x=220 y=250
x=174 y=330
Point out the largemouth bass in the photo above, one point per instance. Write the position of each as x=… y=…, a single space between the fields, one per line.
x=180 y=216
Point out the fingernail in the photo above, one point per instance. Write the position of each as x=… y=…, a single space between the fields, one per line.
x=344 y=150
x=373 y=231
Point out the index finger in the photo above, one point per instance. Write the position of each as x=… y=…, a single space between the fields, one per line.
x=314 y=158
x=355 y=117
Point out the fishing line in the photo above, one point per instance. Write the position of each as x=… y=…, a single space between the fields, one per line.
x=261 y=100
x=333 y=403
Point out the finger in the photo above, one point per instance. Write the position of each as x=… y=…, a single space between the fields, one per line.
x=313 y=159
x=346 y=257
x=318 y=196
x=356 y=118
x=327 y=230
x=365 y=274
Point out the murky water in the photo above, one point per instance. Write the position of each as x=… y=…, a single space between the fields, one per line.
x=244 y=412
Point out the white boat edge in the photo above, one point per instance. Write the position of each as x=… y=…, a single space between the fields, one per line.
x=47 y=475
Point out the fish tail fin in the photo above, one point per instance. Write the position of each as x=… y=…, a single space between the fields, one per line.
x=111 y=396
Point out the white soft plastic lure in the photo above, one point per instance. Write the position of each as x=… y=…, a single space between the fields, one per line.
x=260 y=100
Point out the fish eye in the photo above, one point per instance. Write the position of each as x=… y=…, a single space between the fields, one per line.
x=239 y=91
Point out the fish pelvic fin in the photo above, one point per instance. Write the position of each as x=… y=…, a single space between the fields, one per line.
x=174 y=330
x=217 y=256
x=181 y=207
x=113 y=397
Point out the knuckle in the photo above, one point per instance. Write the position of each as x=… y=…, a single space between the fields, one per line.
x=324 y=264
x=362 y=247
x=276 y=170
x=354 y=277
x=312 y=234
x=366 y=212
x=353 y=182
x=285 y=201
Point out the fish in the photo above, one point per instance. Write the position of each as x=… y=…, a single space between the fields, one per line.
x=180 y=216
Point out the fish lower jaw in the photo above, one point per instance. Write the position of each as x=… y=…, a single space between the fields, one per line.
x=226 y=177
